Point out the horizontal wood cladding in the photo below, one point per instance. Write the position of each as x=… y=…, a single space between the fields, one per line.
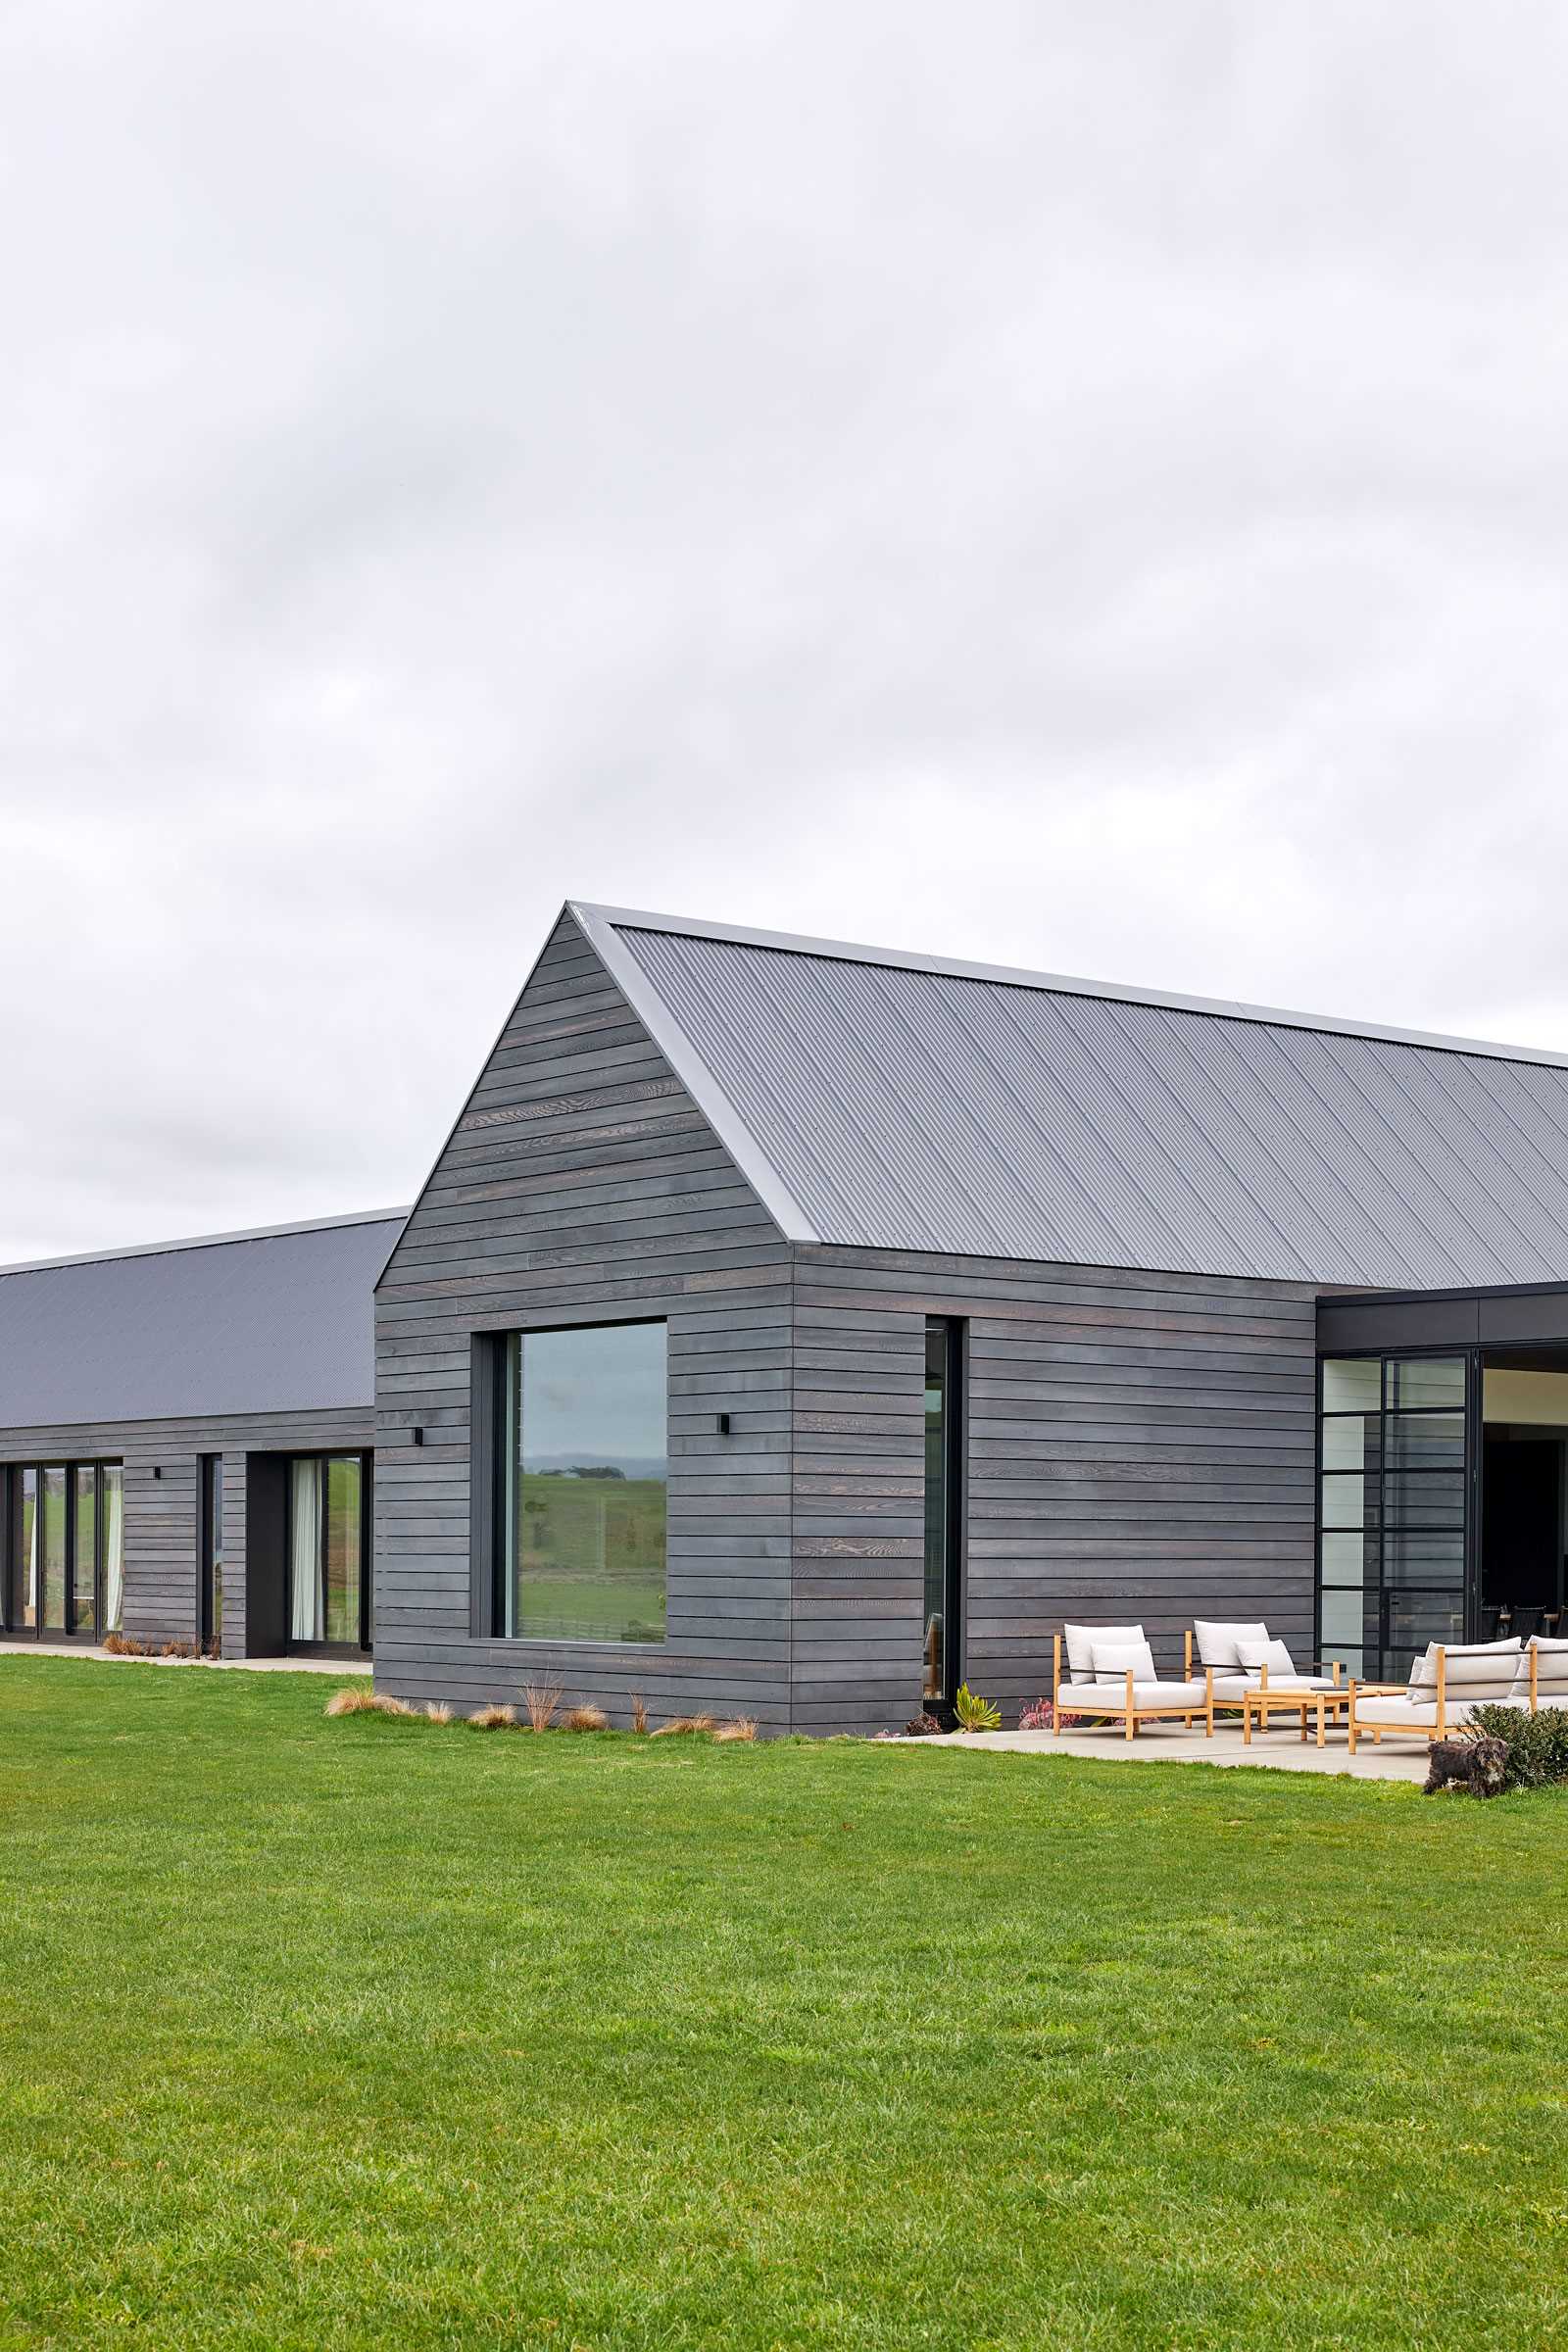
x=1140 y=1448
x=162 y=1533
x=582 y=1184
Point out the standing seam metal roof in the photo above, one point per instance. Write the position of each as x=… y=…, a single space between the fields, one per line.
x=901 y=1103
x=281 y=1321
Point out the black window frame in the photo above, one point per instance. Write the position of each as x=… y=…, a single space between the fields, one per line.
x=365 y=1646
x=493 y=1403
x=13 y=1566
x=1387 y=1666
x=210 y=1485
x=954 y=1335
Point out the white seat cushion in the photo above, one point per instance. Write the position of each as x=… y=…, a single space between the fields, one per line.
x=1216 y=1644
x=1145 y=1695
x=1398 y=1713
x=1080 y=1637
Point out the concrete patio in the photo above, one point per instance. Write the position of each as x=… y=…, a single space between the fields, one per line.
x=1278 y=1750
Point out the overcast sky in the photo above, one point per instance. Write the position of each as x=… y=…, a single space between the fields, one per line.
x=1077 y=486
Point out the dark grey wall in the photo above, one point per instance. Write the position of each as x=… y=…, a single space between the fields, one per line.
x=161 y=1547
x=581 y=1185
x=1141 y=1448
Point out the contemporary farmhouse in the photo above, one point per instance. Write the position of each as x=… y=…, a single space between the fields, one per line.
x=798 y=1328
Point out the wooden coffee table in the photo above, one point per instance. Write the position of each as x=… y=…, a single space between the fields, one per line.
x=1286 y=1701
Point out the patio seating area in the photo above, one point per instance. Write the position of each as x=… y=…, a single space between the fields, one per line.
x=1246 y=1695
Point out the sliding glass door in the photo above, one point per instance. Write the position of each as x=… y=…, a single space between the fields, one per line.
x=65 y=1528
x=328 y=1553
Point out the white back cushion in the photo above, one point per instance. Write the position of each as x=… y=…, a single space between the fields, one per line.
x=1078 y=1637
x=1272 y=1654
x=1217 y=1643
x=1110 y=1660
x=1471 y=1669
x=1551 y=1667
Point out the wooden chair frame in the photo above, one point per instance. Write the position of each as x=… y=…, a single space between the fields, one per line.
x=1130 y=1710
x=1430 y=1733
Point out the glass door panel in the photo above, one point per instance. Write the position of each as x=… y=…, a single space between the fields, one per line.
x=343 y=1548
x=326 y=1551
x=28 y=1554
x=84 y=1551
x=52 y=1546
x=112 y=1509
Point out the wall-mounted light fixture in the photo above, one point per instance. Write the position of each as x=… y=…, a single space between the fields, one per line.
x=724 y=1425
x=157 y=1470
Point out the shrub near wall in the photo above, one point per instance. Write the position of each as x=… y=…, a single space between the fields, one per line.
x=1537 y=1744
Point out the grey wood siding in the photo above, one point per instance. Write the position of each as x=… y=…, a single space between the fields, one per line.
x=1140 y=1447
x=161 y=1514
x=582 y=1184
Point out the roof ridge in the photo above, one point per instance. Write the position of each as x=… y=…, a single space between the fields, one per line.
x=627 y=919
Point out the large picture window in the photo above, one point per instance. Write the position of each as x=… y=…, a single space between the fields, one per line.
x=582 y=1459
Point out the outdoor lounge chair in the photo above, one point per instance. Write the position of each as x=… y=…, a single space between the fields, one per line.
x=1244 y=1658
x=1446 y=1682
x=1110 y=1671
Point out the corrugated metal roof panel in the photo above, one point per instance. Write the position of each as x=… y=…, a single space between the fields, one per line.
x=274 y=1322
x=909 y=1106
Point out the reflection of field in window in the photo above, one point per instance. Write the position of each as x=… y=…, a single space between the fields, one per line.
x=593 y=1558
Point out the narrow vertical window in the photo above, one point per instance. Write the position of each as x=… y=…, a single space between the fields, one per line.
x=113 y=1541
x=212 y=1551
x=944 y=1510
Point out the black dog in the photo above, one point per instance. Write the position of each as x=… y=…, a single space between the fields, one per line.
x=1475 y=1765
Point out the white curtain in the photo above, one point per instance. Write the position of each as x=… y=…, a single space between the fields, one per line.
x=307 y=1613
x=114 y=1550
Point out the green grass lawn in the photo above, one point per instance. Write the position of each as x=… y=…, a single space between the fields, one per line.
x=366 y=2033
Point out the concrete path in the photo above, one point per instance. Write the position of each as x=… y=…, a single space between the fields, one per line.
x=1278 y=1750
x=345 y=1669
